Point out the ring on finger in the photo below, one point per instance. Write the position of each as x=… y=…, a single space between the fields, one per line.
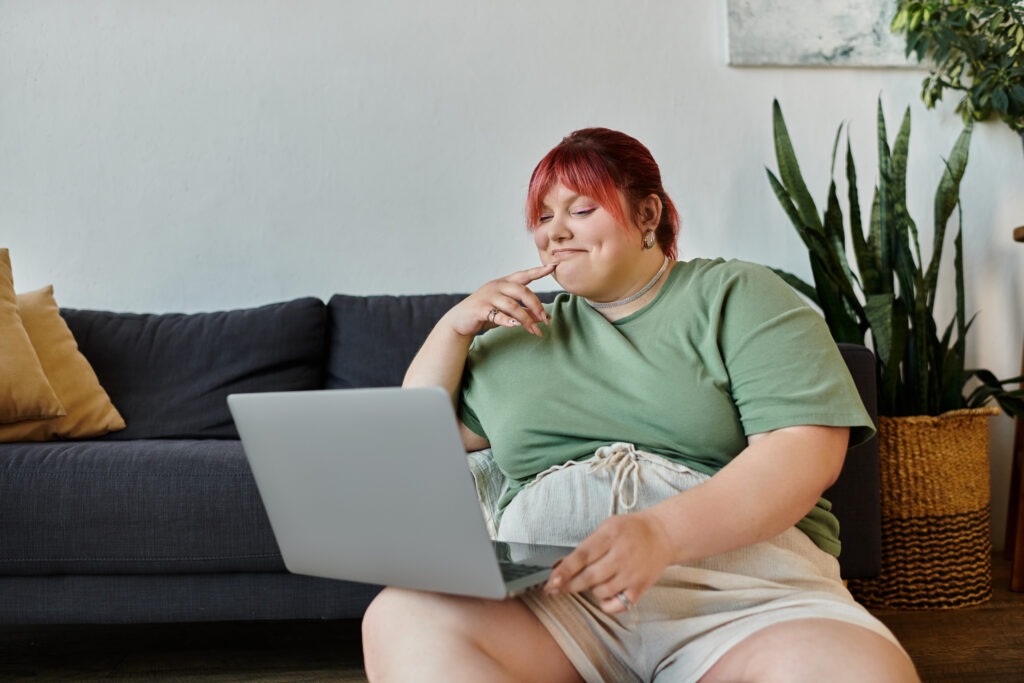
x=492 y=314
x=624 y=599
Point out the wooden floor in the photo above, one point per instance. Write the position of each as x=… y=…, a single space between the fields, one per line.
x=975 y=645
x=983 y=644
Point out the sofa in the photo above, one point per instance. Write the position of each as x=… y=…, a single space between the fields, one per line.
x=161 y=521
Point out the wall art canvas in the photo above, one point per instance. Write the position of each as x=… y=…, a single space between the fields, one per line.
x=822 y=33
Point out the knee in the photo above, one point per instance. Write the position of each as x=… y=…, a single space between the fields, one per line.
x=403 y=628
x=382 y=623
x=814 y=650
x=379 y=613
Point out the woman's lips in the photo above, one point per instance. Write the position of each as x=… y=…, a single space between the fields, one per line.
x=561 y=254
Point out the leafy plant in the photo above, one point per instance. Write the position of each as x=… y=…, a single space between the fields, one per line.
x=976 y=47
x=892 y=292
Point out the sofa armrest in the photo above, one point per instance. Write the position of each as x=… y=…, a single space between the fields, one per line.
x=490 y=486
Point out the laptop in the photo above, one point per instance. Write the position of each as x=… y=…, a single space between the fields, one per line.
x=373 y=485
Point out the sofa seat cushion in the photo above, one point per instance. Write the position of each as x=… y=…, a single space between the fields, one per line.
x=169 y=374
x=138 y=507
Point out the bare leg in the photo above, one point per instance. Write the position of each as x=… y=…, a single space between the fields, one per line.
x=414 y=636
x=814 y=650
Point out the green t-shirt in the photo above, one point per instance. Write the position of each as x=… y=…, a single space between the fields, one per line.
x=725 y=350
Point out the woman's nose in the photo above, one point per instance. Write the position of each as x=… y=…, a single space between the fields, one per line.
x=558 y=229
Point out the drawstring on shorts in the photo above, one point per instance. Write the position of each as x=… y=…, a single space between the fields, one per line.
x=621 y=461
x=628 y=478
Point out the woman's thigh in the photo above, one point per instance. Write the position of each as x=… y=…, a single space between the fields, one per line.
x=412 y=635
x=814 y=650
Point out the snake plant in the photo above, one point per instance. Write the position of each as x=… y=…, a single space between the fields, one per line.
x=890 y=291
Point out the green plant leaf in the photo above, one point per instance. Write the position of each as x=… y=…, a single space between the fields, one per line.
x=789 y=170
x=881 y=217
x=879 y=311
x=783 y=196
x=947 y=196
x=889 y=379
x=971 y=47
x=867 y=256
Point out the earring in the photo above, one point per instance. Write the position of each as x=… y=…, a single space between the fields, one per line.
x=649 y=239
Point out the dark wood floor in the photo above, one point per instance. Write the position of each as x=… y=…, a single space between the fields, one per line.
x=975 y=645
x=983 y=644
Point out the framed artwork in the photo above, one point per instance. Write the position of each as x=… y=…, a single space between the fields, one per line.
x=822 y=33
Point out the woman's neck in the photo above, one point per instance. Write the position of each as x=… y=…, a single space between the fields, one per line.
x=616 y=310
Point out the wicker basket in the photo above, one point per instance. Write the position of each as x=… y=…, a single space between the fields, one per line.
x=936 y=544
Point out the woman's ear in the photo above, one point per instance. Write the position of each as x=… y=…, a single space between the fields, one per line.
x=650 y=212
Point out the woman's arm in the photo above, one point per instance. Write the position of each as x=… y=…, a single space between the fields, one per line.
x=442 y=358
x=770 y=486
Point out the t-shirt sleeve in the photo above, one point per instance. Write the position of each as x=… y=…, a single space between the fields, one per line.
x=470 y=419
x=466 y=413
x=784 y=367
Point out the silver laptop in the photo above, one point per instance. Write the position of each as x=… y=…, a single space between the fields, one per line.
x=372 y=485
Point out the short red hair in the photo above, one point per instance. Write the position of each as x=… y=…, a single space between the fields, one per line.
x=607 y=166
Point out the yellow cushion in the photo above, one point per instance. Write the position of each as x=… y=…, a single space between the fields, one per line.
x=25 y=393
x=89 y=410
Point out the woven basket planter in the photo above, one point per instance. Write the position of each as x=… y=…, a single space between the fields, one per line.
x=936 y=544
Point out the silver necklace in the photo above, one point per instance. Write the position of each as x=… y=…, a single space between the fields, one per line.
x=632 y=297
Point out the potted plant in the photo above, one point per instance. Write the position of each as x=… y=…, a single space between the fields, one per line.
x=976 y=47
x=932 y=434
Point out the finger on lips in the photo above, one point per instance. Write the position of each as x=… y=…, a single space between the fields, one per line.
x=530 y=274
x=514 y=304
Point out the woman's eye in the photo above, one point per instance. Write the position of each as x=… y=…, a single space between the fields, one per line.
x=584 y=212
x=544 y=219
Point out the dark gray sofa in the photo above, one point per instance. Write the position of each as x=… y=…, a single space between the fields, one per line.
x=161 y=522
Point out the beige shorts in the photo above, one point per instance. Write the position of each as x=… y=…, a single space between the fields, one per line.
x=694 y=614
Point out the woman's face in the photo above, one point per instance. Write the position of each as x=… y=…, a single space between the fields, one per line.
x=596 y=257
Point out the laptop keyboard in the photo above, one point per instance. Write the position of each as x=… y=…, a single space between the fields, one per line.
x=511 y=570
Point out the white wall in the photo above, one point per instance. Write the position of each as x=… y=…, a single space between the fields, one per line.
x=162 y=155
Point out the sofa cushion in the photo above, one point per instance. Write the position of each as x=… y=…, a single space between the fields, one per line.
x=89 y=410
x=374 y=338
x=131 y=507
x=25 y=393
x=170 y=374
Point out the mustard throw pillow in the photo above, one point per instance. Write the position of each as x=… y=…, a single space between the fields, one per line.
x=25 y=393
x=89 y=410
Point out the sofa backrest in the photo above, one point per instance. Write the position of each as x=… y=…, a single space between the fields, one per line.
x=374 y=338
x=169 y=374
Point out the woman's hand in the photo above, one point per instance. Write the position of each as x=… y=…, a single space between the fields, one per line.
x=625 y=555
x=506 y=301
x=441 y=359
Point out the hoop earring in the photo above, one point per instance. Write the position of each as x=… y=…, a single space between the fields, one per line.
x=648 y=239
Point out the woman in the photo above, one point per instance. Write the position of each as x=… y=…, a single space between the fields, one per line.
x=677 y=422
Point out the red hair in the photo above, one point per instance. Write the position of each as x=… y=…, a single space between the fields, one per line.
x=608 y=167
